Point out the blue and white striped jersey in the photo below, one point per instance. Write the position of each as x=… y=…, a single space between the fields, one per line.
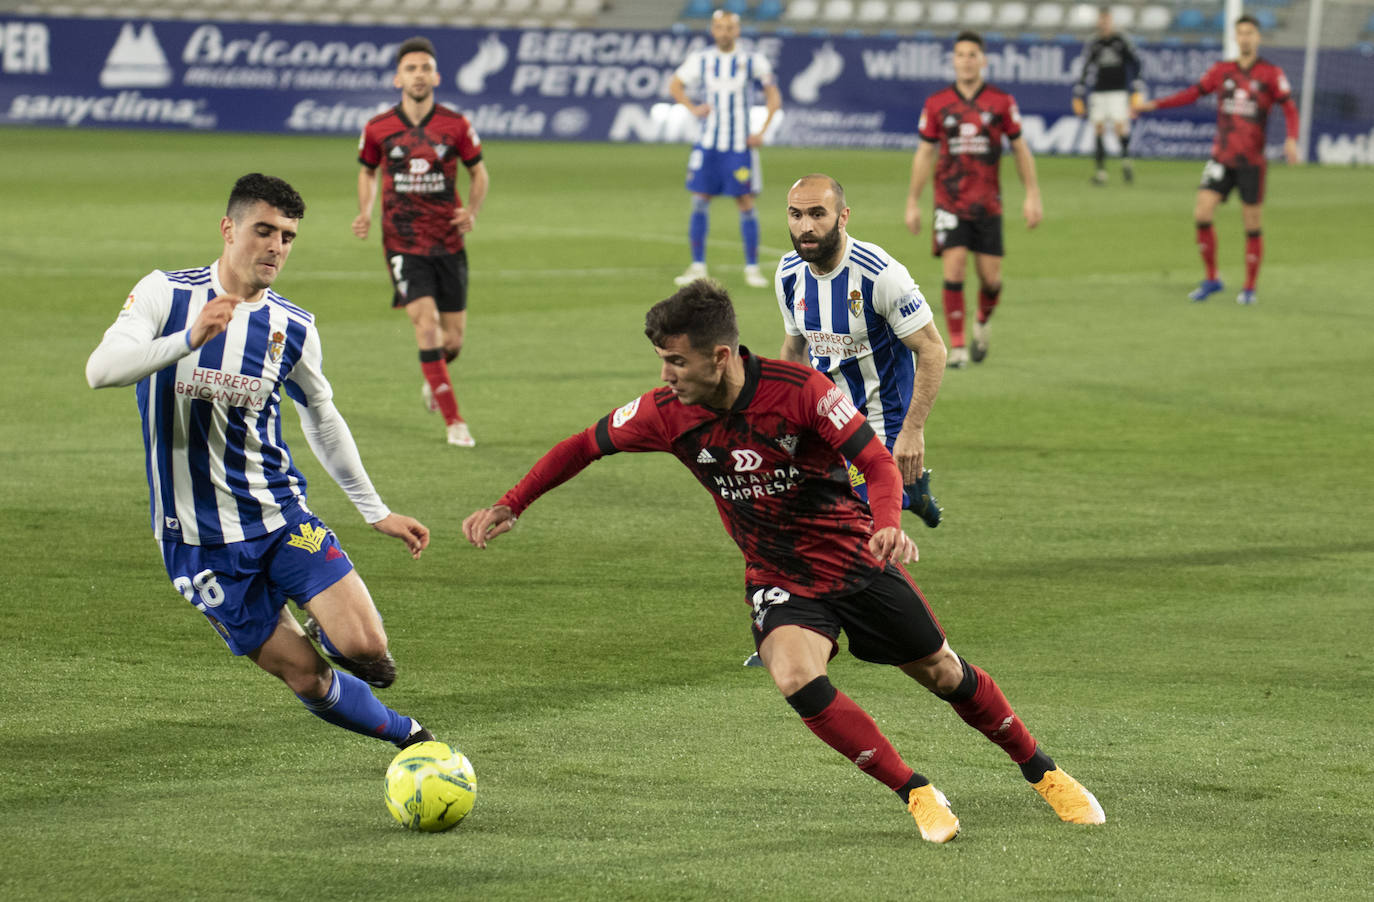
x=854 y=319
x=725 y=81
x=218 y=469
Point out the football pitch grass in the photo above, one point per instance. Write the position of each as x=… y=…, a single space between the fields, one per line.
x=1158 y=539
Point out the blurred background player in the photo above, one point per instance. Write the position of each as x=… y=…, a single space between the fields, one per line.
x=1247 y=87
x=1110 y=64
x=966 y=123
x=855 y=314
x=725 y=159
x=419 y=142
x=212 y=350
x=768 y=439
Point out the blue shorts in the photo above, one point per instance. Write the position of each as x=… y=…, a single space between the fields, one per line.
x=241 y=587
x=729 y=172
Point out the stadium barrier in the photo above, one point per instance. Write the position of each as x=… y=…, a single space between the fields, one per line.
x=603 y=85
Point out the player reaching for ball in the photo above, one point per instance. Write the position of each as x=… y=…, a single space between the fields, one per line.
x=768 y=439
x=212 y=350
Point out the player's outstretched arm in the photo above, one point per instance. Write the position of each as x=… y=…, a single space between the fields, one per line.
x=409 y=530
x=481 y=526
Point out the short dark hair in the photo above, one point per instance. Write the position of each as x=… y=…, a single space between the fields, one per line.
x=1248 y=19
x=701 y=310
x=255 y=187
x=415 y=45
x=973 y=36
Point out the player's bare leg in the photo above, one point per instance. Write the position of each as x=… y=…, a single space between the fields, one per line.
x=989 y=292
x=1204 y=209
x=335 y=697
x=749 y=234
x=796 y=658
x=978 y=701
x=954 y=261
x=1251 y=216
x=345 y=622
x=429 y=337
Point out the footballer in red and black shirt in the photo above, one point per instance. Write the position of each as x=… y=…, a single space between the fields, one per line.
x=416 y=146
x=963 y=126
x=767 y=439
x=1247 y=88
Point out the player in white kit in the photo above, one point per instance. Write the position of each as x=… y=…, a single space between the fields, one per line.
x=725 y=159
x=854 y=313
x=212 y=350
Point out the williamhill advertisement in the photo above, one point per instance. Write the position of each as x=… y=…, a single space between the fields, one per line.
x=592 y=85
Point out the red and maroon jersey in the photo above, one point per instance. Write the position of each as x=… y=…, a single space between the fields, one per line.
x=419 y=185
x=969 y=131
x=1244 y=99
x=774 y=462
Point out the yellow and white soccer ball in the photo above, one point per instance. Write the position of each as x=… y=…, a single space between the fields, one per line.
x=430 y=787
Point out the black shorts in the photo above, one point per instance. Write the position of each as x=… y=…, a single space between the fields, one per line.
x=1221 y=179
x=444 y=278
x=887 y=621
x=982 y=236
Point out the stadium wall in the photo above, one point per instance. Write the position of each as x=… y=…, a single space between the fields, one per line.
x=604 y=85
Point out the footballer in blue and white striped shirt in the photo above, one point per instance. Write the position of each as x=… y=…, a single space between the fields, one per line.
x=854 y=313
x=212 y=350
x=725 y=159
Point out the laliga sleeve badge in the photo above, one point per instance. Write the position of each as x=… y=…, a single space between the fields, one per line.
x=624 y=414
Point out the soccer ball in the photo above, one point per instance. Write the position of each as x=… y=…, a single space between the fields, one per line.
x=430 y=787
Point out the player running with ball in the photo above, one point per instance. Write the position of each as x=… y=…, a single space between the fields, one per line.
x=768 y=439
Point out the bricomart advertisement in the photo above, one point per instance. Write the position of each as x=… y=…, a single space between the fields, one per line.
x=595 y=85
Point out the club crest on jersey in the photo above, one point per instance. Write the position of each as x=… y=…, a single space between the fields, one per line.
x=440 y=150
x=856 y=302
x=624 y=414
x=788 y=443
x=987 y=117
x=276 y=346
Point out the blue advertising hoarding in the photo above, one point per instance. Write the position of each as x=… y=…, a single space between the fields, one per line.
x=592 y=85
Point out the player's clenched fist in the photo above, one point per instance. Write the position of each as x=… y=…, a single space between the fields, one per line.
x=213 y=319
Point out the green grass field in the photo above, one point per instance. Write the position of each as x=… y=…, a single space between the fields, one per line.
x=1159 y=539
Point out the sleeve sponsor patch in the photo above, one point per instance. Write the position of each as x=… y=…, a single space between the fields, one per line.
x=624 y=414
x=836 y=407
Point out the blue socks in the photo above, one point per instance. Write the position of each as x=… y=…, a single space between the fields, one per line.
x=350 y=704
x=697 y=227
x=749 y=231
